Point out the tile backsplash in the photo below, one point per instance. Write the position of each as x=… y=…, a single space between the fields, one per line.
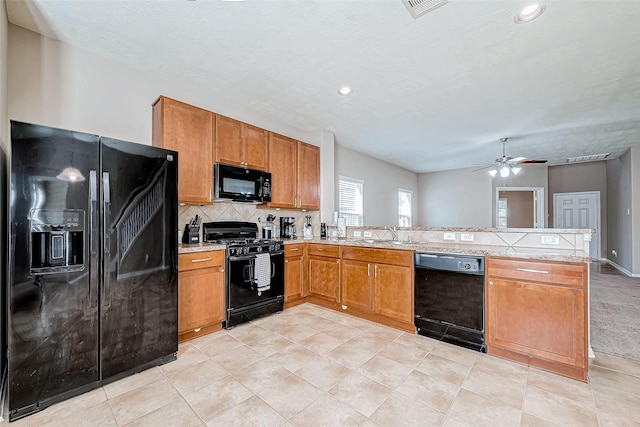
x=230 y=211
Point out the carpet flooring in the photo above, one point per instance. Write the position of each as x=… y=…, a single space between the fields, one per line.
x=615 y=312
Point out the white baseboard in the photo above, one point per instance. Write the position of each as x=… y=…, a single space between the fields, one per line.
x=622 y=269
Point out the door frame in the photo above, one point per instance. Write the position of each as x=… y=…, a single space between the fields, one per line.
x=595 y=237
x=538 y=203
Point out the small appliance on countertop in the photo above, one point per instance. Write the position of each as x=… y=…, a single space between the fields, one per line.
x=287 y=227
x=307 y=229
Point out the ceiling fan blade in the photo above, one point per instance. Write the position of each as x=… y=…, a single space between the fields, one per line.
x=531 y=162
x=482 y=168
x=516 y=159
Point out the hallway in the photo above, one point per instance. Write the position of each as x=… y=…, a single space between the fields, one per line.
x=615 y=312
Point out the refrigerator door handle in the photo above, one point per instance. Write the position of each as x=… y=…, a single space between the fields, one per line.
x=106 y=255
x=93 y=236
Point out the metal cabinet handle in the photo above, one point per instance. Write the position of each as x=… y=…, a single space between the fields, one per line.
x=528 y=270
x=201 y=259
x=491 y=283
x=197 y=329
x=322 y=250
x=286 y=261
x=375 y=270
x=222 y=270
x=338 y=262
x=294 y=249
x=368 y=269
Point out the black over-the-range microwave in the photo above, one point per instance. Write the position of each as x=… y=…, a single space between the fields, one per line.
x=241 y=185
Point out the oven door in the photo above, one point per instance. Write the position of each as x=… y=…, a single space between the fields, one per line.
x=242 y=289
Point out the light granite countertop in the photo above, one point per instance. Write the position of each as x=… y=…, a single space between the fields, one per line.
x=453 y=248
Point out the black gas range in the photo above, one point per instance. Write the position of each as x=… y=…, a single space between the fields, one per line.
x=254 y=270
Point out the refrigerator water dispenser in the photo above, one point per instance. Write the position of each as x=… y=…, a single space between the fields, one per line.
x=57 y=241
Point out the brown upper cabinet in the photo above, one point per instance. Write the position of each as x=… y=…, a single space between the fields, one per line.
x=240 y=144
x=295 y=173
x=188 y=130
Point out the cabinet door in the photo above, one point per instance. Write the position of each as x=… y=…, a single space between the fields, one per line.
x=308 y=176
x=324 y=278
x=228 y=141
x=393 y=292
x=355 y=289
x=282 y=165
x=189 y=131
x=256 y=144
x=200 y=298
x=293 y=281
x=546 y=321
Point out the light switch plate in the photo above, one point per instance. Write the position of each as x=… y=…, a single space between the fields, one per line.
x=368 y=234
x=357 y=233
x=449 y=236
x=466 y=237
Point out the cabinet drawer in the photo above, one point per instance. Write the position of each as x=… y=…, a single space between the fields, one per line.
x=197 y=260
x=382 y=256
x=294 y=250
x=324 y=250
x=559 y=273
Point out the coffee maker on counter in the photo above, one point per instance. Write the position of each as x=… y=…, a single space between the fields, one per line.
x=287 y=227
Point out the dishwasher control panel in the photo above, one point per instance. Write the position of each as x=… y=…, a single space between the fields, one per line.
x=469 y=265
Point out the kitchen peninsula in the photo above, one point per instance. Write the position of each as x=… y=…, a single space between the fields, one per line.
x=536 y=284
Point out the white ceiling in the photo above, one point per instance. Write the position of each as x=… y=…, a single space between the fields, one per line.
x=429 y=94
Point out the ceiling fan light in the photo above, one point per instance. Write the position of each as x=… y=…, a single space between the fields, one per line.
x=504 y=172
x=70 y=174
x=493 y=172
x=516 y=170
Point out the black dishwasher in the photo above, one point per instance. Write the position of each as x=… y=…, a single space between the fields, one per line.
x=449 y=298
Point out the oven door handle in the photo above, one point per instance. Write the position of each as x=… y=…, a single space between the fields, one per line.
x=251 y=256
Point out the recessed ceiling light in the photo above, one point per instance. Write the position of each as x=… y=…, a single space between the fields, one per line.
x=529 y=13
x=345 y=90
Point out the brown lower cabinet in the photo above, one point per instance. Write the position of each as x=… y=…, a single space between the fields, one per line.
x=324 y=272
x=294 y=283
x=378 y=284
x=536 y=313
x=201 y=291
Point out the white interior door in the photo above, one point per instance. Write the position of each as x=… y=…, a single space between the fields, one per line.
x=579 y=210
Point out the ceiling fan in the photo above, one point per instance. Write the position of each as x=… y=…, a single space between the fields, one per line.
x=508 y=165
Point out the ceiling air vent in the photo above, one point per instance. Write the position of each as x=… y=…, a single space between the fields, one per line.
x=590 y=158
x=417 y=8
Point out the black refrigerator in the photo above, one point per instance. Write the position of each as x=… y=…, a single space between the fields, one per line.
x=93 y=263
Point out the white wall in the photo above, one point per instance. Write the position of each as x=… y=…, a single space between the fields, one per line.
x=381 y=184
x=55 y=84
x=619 y=202
x=635 y=207
x=455 y=198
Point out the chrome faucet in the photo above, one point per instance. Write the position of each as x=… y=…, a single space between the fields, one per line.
x=394 y=232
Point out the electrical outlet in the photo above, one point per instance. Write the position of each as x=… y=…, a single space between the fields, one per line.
x=368 y=234
x=614 y=253
x=550 y=240
x=357 y=233
x=449 y=236
x=466 y=237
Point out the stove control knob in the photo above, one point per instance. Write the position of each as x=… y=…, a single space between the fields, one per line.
x=259 y=249
x=272 y=248
x=245 y=249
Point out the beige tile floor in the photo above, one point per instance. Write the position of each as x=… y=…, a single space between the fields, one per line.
x=310 y=366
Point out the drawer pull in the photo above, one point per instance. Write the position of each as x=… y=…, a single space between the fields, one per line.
x=322 y=249
x=197 y=329
x=294 y=249
x=201 y=259
x=528 y=270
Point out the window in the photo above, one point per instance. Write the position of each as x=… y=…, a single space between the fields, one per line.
x=404 y=208
x=502 y=213
x=350 y=195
